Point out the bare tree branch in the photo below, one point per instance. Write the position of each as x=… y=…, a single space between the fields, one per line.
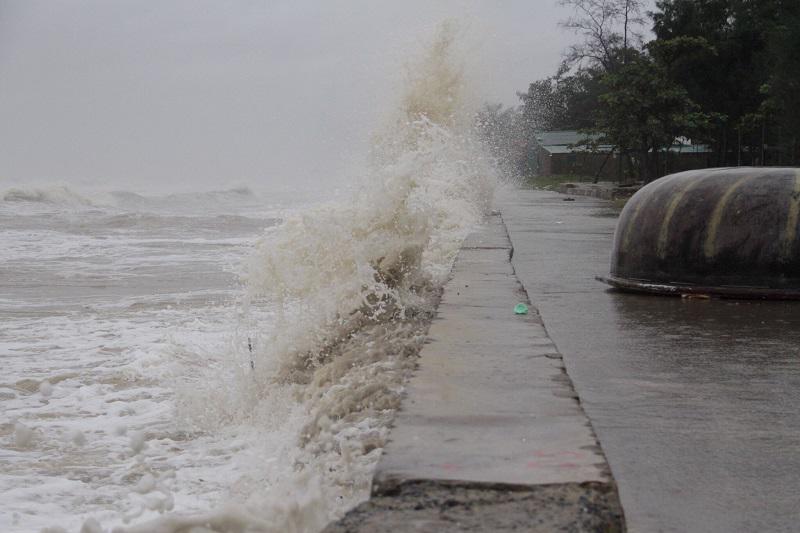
x=606 y=27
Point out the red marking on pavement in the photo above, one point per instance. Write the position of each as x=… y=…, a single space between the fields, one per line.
x=557 y=454
x=550 y=464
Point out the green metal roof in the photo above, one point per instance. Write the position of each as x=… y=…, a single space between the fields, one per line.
x=566 y=149
x=561 y=138
x=562 y=142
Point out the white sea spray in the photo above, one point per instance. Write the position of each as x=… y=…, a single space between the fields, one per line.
x=352 y=286
x=138 y=395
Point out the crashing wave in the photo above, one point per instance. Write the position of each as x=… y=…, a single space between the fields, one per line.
x=364 y=275
x=128 y=200
x=353 y=286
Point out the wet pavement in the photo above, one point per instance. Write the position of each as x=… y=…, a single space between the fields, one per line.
x=696 y=403
x=490 y=435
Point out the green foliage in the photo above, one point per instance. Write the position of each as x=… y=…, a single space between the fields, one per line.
x=783 y=87
x=643 y=111
x=568 y=100
x=562 y=102
x=722 y=73
x=742 y=70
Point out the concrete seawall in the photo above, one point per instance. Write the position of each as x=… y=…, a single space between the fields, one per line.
x=491 y=435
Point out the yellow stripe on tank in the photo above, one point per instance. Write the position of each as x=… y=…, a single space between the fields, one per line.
x=710 y=248
x=628 y=229
x=663 y=233
x=791 y=219
x=626 y=239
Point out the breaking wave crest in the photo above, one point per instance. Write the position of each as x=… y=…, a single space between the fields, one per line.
x=350 y=289
x=56 y=194
x=194 y=200
x=60 y=195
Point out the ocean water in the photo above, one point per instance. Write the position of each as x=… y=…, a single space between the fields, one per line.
x=229 y=360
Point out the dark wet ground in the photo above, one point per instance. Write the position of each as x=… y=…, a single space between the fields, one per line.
x=440 y=507
x=696 y=403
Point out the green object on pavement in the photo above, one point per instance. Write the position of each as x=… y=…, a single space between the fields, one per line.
x=521 y=309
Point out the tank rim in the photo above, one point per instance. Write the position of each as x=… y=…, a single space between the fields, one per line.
x=686 y=290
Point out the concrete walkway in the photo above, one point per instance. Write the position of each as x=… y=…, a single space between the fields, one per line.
x=696 y=403
x=491 y=436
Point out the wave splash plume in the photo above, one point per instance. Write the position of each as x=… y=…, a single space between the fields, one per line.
x=349 y=289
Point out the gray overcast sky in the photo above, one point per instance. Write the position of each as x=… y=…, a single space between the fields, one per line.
x=153 y=95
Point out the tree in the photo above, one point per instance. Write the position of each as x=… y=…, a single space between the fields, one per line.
x=643 y=111
x=731 y=75
x=783 y=86
x=610 y=37
x=725 y=73
x=608 y=28
x=561 y=102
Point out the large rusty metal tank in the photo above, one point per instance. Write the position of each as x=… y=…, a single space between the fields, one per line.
x=729 y=232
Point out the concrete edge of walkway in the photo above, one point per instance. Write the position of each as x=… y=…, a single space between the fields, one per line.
x=491 y=435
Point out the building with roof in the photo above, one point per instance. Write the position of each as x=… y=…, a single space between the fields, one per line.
x=574 y=153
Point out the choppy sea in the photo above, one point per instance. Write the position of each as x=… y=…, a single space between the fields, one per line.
x=106 y=305
x=226 y=361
